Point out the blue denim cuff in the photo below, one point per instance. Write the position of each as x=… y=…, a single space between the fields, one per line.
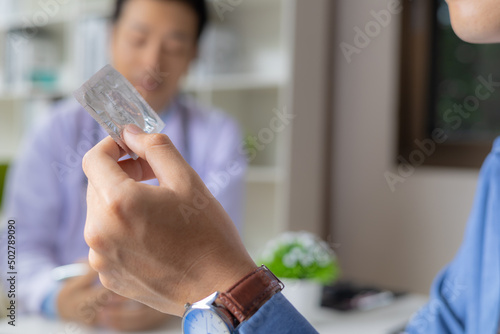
x=49 y=304
x=277 y=316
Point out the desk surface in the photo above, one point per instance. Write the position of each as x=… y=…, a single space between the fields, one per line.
x=380 y=321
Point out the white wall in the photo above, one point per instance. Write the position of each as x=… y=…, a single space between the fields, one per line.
x=308 y=98
x=395 y=239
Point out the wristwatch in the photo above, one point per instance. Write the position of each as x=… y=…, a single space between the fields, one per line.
x=223 y=312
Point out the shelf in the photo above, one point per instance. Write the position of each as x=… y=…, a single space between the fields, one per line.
x=31 y=95
x=7 y=158
x=212 y=3
x=38 y=17
x=19 y=22
x=234 y=82
x=68 y=13
x=229 y=82
x=264 y=174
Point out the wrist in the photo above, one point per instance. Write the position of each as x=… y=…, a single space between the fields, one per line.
x=49 y=305
x=215 y=276
x=251 y=292
x=225 y=311
x=231 y=277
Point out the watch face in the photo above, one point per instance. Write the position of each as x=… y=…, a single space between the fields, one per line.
x=204 y=321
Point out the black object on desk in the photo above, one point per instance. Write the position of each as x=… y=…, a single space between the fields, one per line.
x=345 y=296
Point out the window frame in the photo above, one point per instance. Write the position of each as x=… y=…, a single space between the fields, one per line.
x=418 y=49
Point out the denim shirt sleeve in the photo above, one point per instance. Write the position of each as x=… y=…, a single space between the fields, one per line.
x=49 y=304
x=276 y=316
x=465 y=296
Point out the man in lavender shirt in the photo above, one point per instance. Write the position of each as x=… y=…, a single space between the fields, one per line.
x=153 y=43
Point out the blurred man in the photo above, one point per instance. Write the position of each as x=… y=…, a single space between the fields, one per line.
x=153 y=44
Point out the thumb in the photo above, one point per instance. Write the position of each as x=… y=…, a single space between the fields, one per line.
x=167 y=163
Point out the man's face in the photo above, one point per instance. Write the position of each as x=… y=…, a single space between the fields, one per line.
x=153 y=43
x=476 y=21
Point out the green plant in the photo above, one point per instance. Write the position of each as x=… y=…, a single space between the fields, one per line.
x=3 y=172
x=301 y=255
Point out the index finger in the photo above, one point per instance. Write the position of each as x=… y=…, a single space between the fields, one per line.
x=100 y=164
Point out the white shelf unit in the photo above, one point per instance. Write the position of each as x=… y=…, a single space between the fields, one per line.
x=247 y=67
x=244 y=69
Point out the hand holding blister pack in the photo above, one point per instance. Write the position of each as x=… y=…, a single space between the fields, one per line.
x=113 y=102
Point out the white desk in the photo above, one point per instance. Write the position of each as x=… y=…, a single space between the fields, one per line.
x=379 y=321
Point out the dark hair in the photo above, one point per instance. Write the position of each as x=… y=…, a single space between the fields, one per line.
x=199 y=7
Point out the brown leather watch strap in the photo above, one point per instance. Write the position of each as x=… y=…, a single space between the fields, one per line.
x=250 y=293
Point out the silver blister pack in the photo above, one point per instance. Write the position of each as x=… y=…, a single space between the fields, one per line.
x=113 y=102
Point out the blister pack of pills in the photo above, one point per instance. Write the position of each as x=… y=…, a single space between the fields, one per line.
x=113 y=102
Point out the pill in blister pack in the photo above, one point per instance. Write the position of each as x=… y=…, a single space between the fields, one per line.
x=113 y=102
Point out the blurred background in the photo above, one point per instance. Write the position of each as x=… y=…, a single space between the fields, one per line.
x=325 y=172
x=248 y=66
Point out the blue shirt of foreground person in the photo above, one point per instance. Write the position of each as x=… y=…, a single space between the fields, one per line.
x=465 y=297
x=144 y=248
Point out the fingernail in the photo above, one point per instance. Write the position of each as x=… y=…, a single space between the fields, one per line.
x=134 y=129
